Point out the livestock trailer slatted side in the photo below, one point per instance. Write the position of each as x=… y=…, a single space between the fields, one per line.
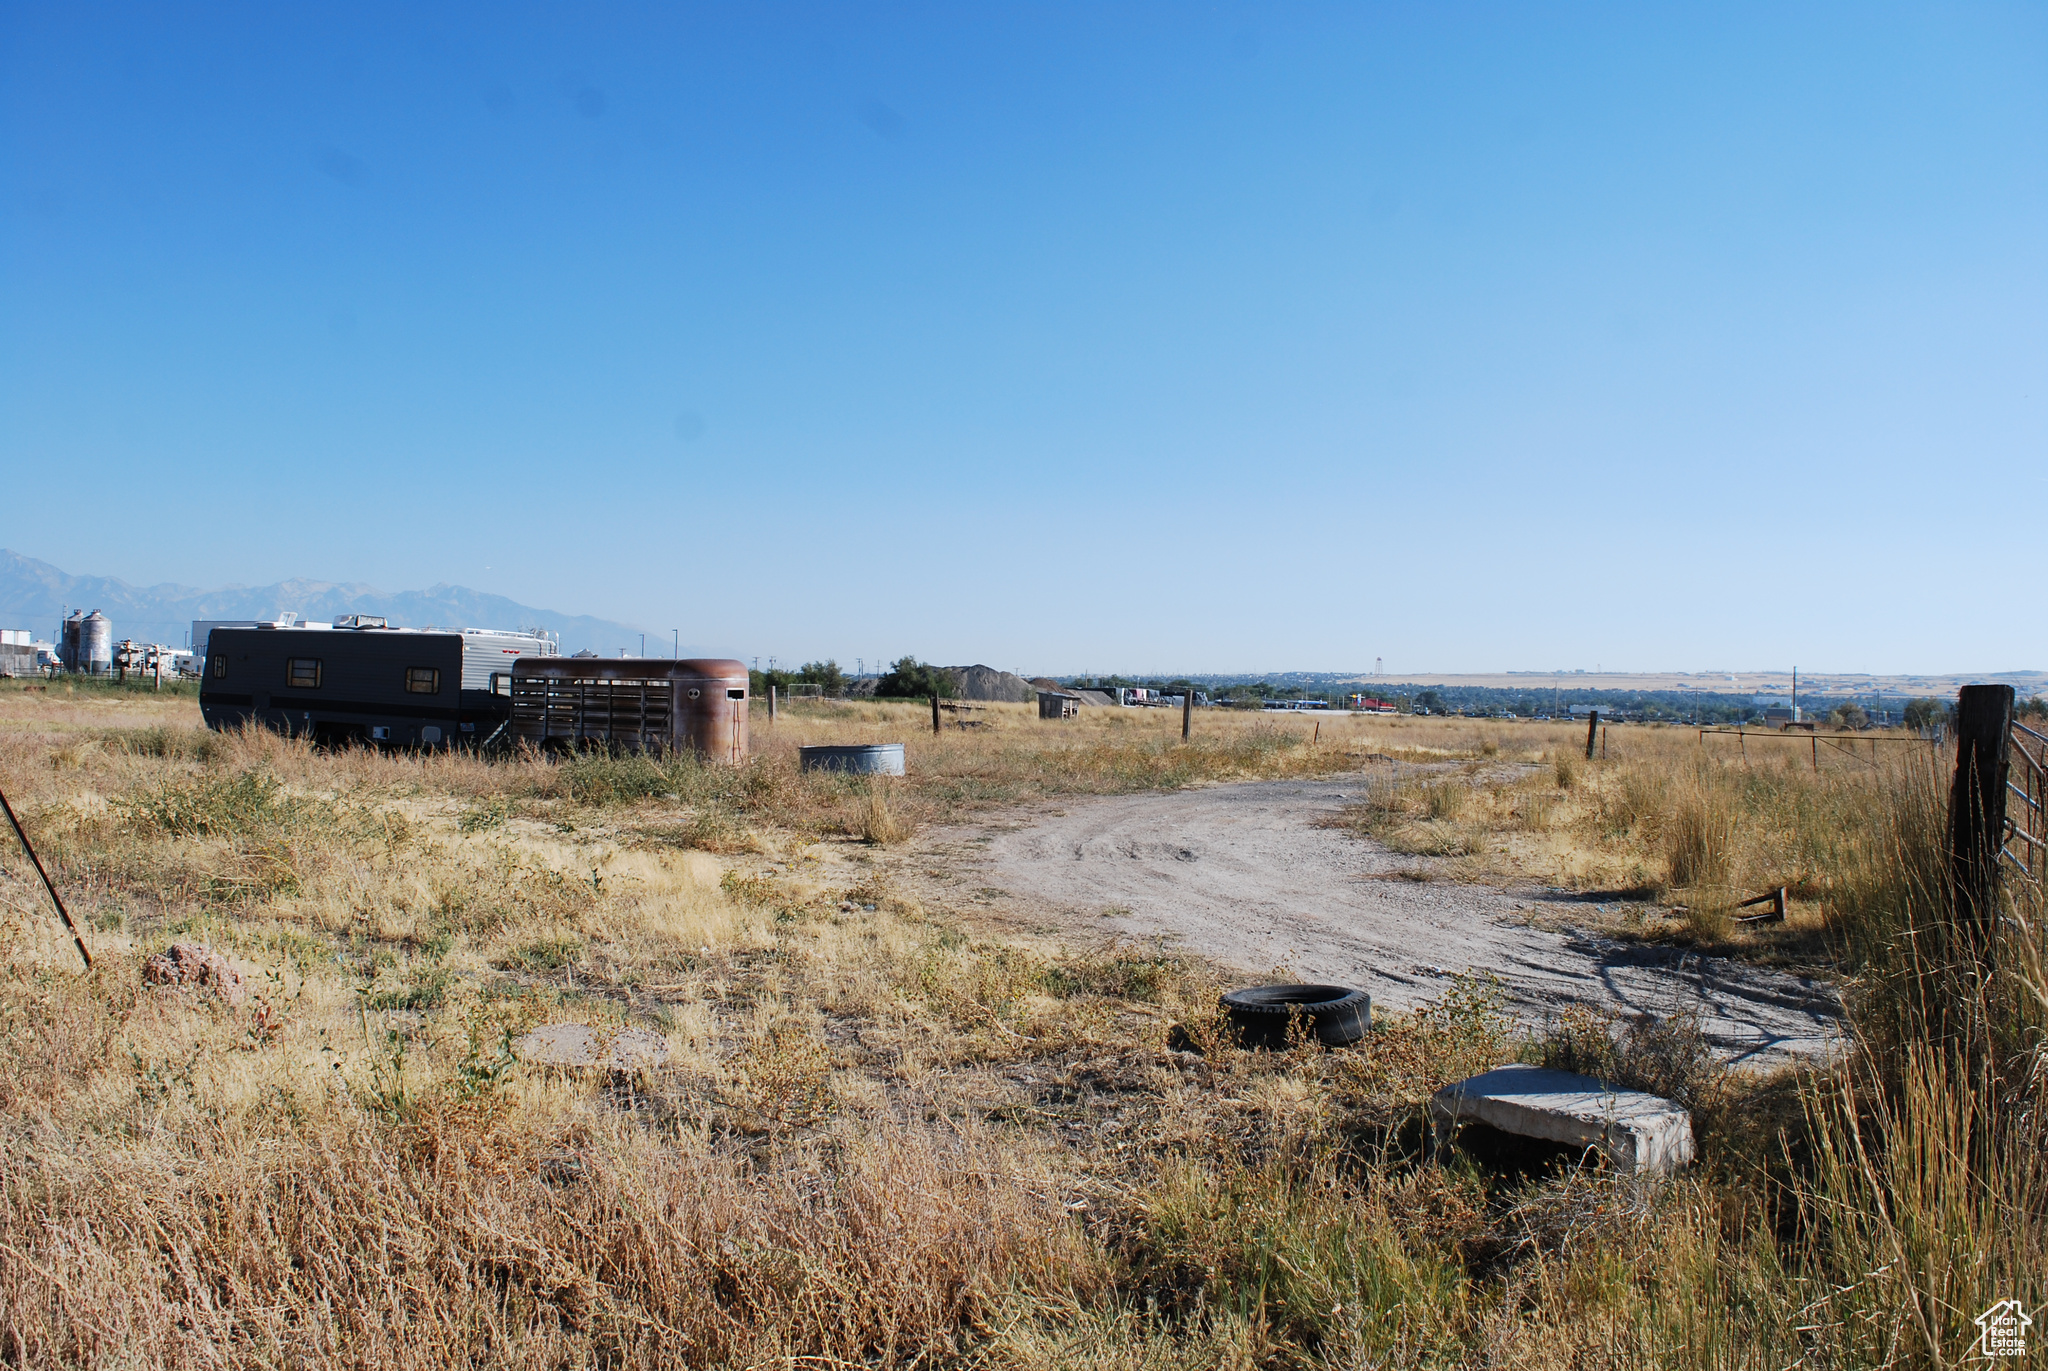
x=546 y=709
x=638 y=704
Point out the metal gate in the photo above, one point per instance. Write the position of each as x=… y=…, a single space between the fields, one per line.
x=2029 y=826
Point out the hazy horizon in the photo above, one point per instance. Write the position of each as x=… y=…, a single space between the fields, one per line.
x=589 y=624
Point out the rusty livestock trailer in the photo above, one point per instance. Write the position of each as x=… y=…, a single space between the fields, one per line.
x=636 y=703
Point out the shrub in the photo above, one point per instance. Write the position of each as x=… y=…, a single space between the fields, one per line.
x=1925 y=713
x=1663 y=1056
x=825 y=674
x=910 y=679
x=247 y=803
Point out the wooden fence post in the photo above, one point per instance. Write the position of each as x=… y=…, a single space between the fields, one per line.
x=1592 y=732
x=935 y=713
x=771 y=704
x=1187 y=712
x=1976 y=817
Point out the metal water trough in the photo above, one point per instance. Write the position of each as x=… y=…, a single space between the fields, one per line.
x=867 y=759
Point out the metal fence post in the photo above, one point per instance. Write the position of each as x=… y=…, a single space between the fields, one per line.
x=48 y=884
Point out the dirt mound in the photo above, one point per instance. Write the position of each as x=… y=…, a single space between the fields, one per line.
x=195 y=966
x=987 y=683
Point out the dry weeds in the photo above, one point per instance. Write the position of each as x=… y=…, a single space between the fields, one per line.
x=883 y=1141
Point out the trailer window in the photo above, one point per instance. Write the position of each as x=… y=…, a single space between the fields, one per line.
x=423 y=680
x=302 y=672
x=220 y=664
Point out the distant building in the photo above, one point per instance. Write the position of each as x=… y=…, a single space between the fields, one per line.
x=18 y=656
x=1058 y=704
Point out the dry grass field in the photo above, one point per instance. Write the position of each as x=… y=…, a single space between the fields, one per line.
x=887 y=1139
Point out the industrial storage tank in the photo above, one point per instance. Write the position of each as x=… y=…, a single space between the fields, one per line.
x=636 y=703
x=67 y=643
x=96 y=644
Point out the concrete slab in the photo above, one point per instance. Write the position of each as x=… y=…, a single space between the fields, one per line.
x=1637 y=1131
x=575 y=1044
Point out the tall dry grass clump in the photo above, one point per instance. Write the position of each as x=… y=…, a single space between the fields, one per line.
x=1927 y=1193
x=1698 y=839
x=879 y=822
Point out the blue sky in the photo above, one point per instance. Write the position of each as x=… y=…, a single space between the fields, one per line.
x=1058 y=337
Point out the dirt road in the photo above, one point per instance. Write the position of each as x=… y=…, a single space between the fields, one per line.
x=1241 y=874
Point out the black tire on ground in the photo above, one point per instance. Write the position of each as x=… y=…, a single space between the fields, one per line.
x=1331 y=1014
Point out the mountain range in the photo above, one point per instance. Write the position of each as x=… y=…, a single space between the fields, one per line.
x=35 y=595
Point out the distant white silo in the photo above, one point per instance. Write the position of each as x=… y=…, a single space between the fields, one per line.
x=96 y=644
